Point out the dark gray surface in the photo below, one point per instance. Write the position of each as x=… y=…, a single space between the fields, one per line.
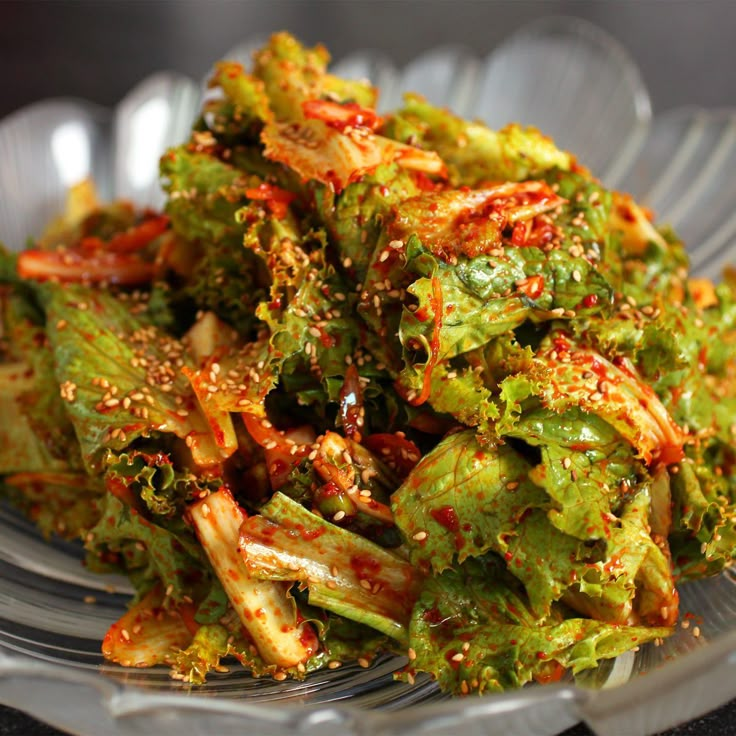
x=98 y=50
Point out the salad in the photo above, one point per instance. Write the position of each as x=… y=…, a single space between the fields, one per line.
x=371 y=384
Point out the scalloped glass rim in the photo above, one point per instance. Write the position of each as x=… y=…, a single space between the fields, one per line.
x=678 y=163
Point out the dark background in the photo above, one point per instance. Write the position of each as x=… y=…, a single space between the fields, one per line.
x=686 y=51
x=99 y=50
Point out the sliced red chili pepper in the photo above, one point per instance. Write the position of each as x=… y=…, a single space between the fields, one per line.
x=520 y=233
x=341 y=115
x=532 y=286
x=276 y=199
x=134 y=239
x=73 y=266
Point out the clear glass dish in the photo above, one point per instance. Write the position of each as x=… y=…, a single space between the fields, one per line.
x=576 y=84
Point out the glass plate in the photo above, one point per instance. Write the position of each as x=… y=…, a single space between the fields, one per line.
x=577 y=85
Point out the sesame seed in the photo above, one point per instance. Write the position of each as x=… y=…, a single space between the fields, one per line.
x=339 y=516
x=459 y=657
x=419 y=536
x=124 y=633
x=411 y=654
x=363 y=662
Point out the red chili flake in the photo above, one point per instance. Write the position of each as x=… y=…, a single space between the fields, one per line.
x=447 y=517
x=424 y=183
x=590 y=300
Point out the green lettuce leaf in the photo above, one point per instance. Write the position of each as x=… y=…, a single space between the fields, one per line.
x=473 y=152
x=204 y=195
x=121 y=377
x=462 y=500
x=124 y=540
x=209 y=646
x=36 y=434
x=356 y=218
x=153 y=478
x=475 y=632
x=703 y=539
x=585 y=464
x=293 y=74
x=62 y=503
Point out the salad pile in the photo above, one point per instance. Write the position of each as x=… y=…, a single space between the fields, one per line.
x=371 y=383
